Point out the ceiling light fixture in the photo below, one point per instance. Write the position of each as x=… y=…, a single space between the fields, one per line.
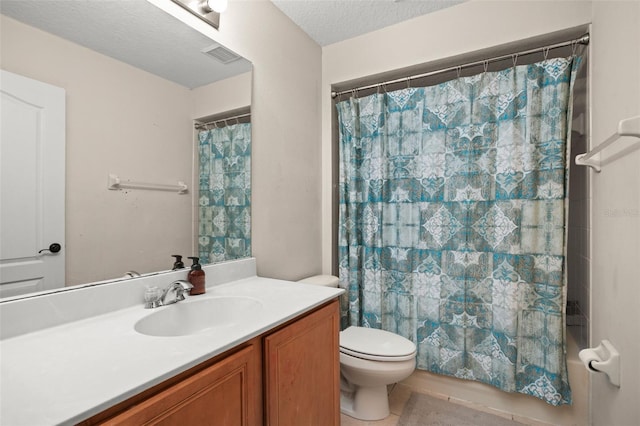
x=207 y=10
x=217 y=5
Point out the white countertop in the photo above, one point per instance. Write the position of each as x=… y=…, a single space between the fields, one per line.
x=67 y=373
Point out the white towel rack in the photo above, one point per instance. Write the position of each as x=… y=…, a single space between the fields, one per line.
x=627 y=127
x=116 y=183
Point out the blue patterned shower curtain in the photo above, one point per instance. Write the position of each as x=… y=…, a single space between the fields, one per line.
x=452 y=223
x=225 y=193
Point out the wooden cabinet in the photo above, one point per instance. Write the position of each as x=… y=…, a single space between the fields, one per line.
x=302 y=371
x=226 y=393
x=299 y=367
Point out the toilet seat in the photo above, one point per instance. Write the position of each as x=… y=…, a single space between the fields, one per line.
x=376 y=345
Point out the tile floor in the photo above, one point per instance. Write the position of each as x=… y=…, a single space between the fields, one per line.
x=398 y=396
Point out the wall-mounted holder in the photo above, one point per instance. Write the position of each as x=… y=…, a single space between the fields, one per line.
x=605 y=359
x=627 y=127
x=115 y=183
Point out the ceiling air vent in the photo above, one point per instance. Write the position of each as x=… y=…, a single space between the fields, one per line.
x=220 y=53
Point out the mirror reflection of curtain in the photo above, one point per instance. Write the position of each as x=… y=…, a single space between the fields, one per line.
x=225 y=193
x=452 y=223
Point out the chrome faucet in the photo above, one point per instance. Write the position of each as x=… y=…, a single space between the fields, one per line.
x=178 y=287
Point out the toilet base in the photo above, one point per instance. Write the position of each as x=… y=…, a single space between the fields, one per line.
x=365 y=403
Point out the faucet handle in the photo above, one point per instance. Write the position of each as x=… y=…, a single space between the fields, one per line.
x=152 y=297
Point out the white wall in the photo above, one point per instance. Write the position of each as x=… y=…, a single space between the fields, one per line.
x=119 y=120
x=616 y=208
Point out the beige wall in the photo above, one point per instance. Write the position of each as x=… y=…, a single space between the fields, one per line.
x=434 y=38
x=615 y=194
x=126 y=121
x=285 y=119
x=286 y=150
x=119 y=120
x=286 y=128
x=222 y=96
x=459 y=30
x=291 y=117
x=286 y=224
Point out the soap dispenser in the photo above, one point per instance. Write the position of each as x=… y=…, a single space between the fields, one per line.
x=178 y=263
x=196 y=277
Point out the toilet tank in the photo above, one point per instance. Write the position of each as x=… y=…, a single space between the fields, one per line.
x=323 y=280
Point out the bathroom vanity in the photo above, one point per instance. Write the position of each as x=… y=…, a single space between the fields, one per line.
x=278 y=366
x=300 y=376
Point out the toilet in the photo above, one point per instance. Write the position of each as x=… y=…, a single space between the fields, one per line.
x=370 y=359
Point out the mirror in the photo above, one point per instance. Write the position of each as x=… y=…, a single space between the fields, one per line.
x=135 y=79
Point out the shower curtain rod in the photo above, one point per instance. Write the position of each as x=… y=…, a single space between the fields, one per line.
x=233 y=117
x=582 y=40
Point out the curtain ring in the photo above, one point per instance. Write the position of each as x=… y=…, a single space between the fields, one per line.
x=237 y=120
x=485 y=65
x=514 y=59
x=574 y=46
x=458 y=70
x=408 y=82
x=545 y=52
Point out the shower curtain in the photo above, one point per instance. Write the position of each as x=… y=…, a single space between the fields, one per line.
x=452 y=223
x=225 y=193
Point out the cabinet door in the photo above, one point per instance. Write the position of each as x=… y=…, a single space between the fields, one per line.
x=228 y=393
x=302 y=371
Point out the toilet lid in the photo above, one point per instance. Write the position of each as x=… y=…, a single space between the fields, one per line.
x=374 y=344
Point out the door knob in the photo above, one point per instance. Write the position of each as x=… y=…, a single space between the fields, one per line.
x=53 y=248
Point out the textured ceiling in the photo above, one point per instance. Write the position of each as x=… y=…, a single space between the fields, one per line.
x=330 y=21
x=132 y=31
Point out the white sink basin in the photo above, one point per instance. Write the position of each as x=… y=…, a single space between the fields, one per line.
x=185 y=318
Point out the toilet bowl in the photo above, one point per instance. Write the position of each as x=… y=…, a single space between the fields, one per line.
x=370 y=359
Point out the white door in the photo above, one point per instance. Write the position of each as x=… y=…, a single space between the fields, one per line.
x=32 y=182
